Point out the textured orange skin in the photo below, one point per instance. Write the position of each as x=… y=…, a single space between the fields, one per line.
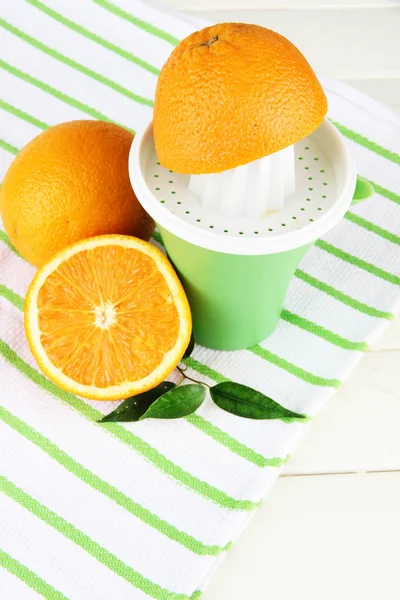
x=70 y=183
x=246 y=95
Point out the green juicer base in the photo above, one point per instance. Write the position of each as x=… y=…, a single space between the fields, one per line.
x=236 y=300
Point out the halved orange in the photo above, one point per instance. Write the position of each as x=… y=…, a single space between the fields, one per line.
x=107 y=318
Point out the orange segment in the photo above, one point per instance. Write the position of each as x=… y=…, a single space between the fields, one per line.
x=107 y=317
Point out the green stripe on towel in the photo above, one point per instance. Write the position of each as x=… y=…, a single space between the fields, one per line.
x=233 y=445
x=205 y=426
x=22 y=115
x=12 y=297
x=344 y=298
x=366 y=143
x=4 y=238
x=385 y=193
x=92 y=112
x=282 y=363
x=358 y=262
x=95 y=482
x=325 y=334
x=383 y=233
x=93 y=36
x=147 y=27
x=36 y=583
x=74 y=65
x=85 y=542
x=8 y=147
x=127 y=437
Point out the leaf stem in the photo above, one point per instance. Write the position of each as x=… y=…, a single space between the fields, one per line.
x=181 y=379
x=182 y=372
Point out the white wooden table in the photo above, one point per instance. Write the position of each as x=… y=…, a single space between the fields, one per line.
x=330 y=528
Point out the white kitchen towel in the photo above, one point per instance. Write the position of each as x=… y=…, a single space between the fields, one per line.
x=147 y=510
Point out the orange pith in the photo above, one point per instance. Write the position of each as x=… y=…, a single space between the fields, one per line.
x=108 y=320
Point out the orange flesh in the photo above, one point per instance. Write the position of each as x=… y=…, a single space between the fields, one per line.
x=107 y=316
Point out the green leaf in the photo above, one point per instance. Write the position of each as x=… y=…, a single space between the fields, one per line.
x=190 y=347
x=179 y=402
x=245 y=402
x=133 y=408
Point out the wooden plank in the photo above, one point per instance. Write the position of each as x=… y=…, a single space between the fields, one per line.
x=347 y=44
x=358 y=430
x=389 y=340
x=318 y=538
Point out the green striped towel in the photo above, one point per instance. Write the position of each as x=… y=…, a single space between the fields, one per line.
x=136 y=511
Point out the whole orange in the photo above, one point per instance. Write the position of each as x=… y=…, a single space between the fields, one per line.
x=69 y=183
x=231 y=94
